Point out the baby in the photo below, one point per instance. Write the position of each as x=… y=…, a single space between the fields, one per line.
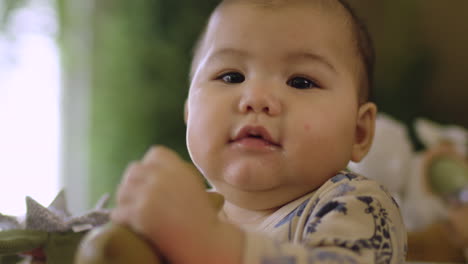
x=278 y=105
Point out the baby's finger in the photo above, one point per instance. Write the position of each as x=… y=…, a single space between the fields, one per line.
x=117 y=216
x=160 y=155
x=134 y=180
x=130 y=172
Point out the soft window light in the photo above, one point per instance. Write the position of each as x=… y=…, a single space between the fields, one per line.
x=29 y=108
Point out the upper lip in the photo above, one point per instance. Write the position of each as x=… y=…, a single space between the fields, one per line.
x=255 y=131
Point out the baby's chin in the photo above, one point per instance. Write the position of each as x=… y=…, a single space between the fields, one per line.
x=251 y=177
x=254 y=201
x=249 y=184
x=258 y=198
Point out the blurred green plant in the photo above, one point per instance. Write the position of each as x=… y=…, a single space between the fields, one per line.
x=141 y=56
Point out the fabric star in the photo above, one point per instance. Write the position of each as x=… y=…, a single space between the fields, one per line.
x=56 y=217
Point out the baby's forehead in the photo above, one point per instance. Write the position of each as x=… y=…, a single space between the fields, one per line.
x=355 y=38
x=228 y=15
x=334 y=12
x=331 y=9
x=278 y=5
x=283 y=19
x=282 y=3
x=292 y=13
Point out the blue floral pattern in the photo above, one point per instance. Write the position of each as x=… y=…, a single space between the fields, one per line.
x=349 y=219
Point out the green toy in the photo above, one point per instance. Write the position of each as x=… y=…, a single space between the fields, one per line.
x=53 y=248
x=448 y=175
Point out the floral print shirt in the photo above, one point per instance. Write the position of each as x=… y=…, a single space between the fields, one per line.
x=349 y=219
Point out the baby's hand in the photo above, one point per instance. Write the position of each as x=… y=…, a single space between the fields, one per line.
x=163 y=198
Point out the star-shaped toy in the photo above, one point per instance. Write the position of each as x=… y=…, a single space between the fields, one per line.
x=48 y=233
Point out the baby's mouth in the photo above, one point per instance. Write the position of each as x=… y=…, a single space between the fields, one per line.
x=255 y=136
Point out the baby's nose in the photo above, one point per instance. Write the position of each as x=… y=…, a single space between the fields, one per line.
x=259 y=100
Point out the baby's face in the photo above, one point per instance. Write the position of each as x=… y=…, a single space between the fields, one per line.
x=273 y=103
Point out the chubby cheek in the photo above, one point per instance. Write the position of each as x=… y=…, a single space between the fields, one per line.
x=198 y=144
x=205 y=136
x=322 y=148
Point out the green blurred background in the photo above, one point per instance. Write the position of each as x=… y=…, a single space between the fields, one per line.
x=141 y=51
x=126 y=66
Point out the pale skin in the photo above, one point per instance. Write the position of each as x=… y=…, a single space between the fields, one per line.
x=296 y=91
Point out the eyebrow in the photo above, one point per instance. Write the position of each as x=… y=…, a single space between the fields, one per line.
x=229 y=52
x=294 y=56
x=310 y=56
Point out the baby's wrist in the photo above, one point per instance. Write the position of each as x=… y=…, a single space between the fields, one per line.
x=218 y=243
x=227 y=244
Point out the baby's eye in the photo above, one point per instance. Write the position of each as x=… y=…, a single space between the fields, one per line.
x=232 y=77
x=301 y=83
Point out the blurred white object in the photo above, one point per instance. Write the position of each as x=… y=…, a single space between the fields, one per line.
x=421 y=207
x=393 y=162
x=431 y=134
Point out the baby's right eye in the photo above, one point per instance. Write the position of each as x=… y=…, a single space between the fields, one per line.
x=232 y=77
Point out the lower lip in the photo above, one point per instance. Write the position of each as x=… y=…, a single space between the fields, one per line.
x=254 y=144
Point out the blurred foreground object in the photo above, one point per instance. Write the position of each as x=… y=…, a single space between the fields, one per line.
x=115 y=244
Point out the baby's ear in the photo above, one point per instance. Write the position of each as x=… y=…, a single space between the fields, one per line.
x=365 y=128
x=185 y=111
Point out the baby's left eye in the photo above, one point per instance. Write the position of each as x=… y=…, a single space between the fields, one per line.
x=301 y=83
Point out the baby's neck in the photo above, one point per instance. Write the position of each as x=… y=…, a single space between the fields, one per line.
x=243 y=217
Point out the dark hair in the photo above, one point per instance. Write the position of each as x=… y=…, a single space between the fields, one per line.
x=366 y=51
x=362 y=39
